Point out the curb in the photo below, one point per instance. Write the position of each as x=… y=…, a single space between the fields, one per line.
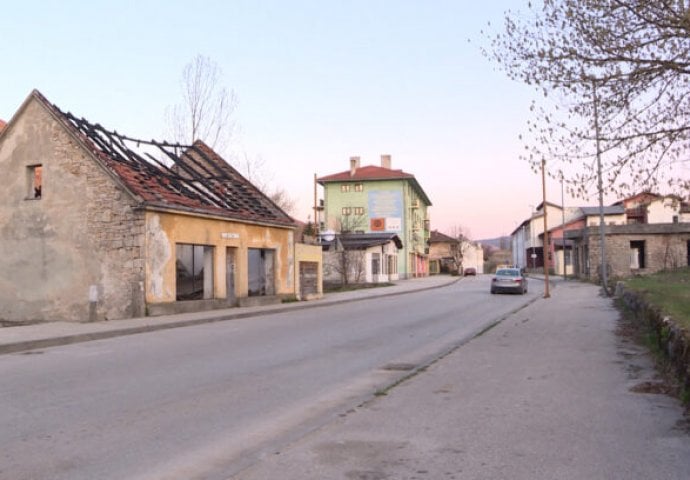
x=25 y=345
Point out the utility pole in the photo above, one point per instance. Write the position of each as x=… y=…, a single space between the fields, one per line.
x=565 y=268
x=546 y=231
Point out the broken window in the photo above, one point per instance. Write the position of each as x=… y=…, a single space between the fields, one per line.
x=194 y=272
x=261 y=271
x=34 y=182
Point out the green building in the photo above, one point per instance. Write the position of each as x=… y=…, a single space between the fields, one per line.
x=373 y=199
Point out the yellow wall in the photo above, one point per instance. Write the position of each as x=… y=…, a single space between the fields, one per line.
x=165 y=230
x=309 y=253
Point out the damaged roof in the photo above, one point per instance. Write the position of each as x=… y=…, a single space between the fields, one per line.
x=191 y=178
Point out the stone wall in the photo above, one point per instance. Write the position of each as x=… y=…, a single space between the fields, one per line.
x=673 y=340
x=665 y=247
x=76 y=253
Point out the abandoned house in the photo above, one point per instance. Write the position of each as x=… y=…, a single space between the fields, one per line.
x=95 y=225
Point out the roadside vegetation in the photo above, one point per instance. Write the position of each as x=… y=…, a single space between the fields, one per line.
x=669 y=291
x=332 y=288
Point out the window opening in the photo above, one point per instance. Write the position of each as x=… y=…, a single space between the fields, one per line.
x=375 y=263
x=194 y=267
x=347 y=210
x=359 y=187
x=35 y=181
x=261 y=271
x=359 y=210
x=345 y=187
x=637 y=254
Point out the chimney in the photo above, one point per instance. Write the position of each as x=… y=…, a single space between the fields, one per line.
x=386 y=161
x=354 y=165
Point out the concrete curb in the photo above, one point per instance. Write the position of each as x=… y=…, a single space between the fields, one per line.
x=33 y=344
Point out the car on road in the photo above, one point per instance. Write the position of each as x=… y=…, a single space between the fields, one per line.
x=470 y=271
x=509 y=280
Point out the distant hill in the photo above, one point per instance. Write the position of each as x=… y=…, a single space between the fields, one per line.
x=502 y=243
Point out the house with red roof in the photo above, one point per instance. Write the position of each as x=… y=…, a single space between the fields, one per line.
x=95 y=225
x=380 y=199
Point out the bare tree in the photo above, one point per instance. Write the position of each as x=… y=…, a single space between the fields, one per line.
x=256 y=171
x=458 y=251
x=629 y=60
x=206 y=109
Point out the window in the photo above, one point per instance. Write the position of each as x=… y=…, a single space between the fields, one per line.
x=392 y=264
x=261 y=272
x=345 y=187
x=194 y=277
x=359 y=187
x=34 y=176
x=359 y=210
x=347 y=211
x=375 y=263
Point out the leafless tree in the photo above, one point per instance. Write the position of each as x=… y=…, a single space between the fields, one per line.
x=458 y=251
x=629 y=59
x=256 y=171
x=206 y=109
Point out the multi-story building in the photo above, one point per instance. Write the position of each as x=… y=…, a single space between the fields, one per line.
x=377 y=199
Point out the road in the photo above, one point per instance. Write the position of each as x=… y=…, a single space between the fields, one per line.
x=206 y=401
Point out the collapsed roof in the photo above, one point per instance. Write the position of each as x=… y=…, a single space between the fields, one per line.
x=190 y=178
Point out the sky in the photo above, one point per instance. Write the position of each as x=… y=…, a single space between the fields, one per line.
x=316 y=82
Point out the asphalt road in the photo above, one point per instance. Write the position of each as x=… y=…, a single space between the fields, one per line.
x=206 y=401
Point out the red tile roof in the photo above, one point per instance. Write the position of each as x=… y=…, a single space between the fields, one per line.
x=372 y=173
x=369 y=172
x=190 y=178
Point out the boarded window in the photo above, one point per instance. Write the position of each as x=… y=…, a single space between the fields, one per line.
x=308 y=278
x=194 y=278
x=261 y=271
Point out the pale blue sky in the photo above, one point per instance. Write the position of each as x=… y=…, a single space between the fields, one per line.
x=317 y=82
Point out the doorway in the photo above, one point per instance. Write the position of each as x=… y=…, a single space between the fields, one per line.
x=230 y=262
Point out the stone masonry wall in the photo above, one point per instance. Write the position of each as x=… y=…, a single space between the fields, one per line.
x=83 y=240
x=666 y=247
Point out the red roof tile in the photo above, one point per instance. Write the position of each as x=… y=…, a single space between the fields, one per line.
x=372 y=173
x=369 y=172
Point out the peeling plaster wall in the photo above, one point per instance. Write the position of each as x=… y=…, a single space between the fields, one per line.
x=81 y=238
x=165 y=230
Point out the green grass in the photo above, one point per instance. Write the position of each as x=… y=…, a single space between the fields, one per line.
x=669 y=291
x=333 y=288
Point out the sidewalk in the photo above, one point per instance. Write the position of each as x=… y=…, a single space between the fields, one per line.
x=546 y=394
x=30 y=337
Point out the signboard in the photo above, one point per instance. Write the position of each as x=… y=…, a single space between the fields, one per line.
x=228 y=235
x=385 y=210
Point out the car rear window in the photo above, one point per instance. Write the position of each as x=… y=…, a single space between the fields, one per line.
x=512 y=272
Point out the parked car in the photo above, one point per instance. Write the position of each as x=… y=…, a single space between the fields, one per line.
x=509 y=280
x=470 y=271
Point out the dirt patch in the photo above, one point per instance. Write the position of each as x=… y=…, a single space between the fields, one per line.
x=656 y=388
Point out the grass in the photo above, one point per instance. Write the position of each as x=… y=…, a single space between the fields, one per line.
x=669 y=291
x=332 y=288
